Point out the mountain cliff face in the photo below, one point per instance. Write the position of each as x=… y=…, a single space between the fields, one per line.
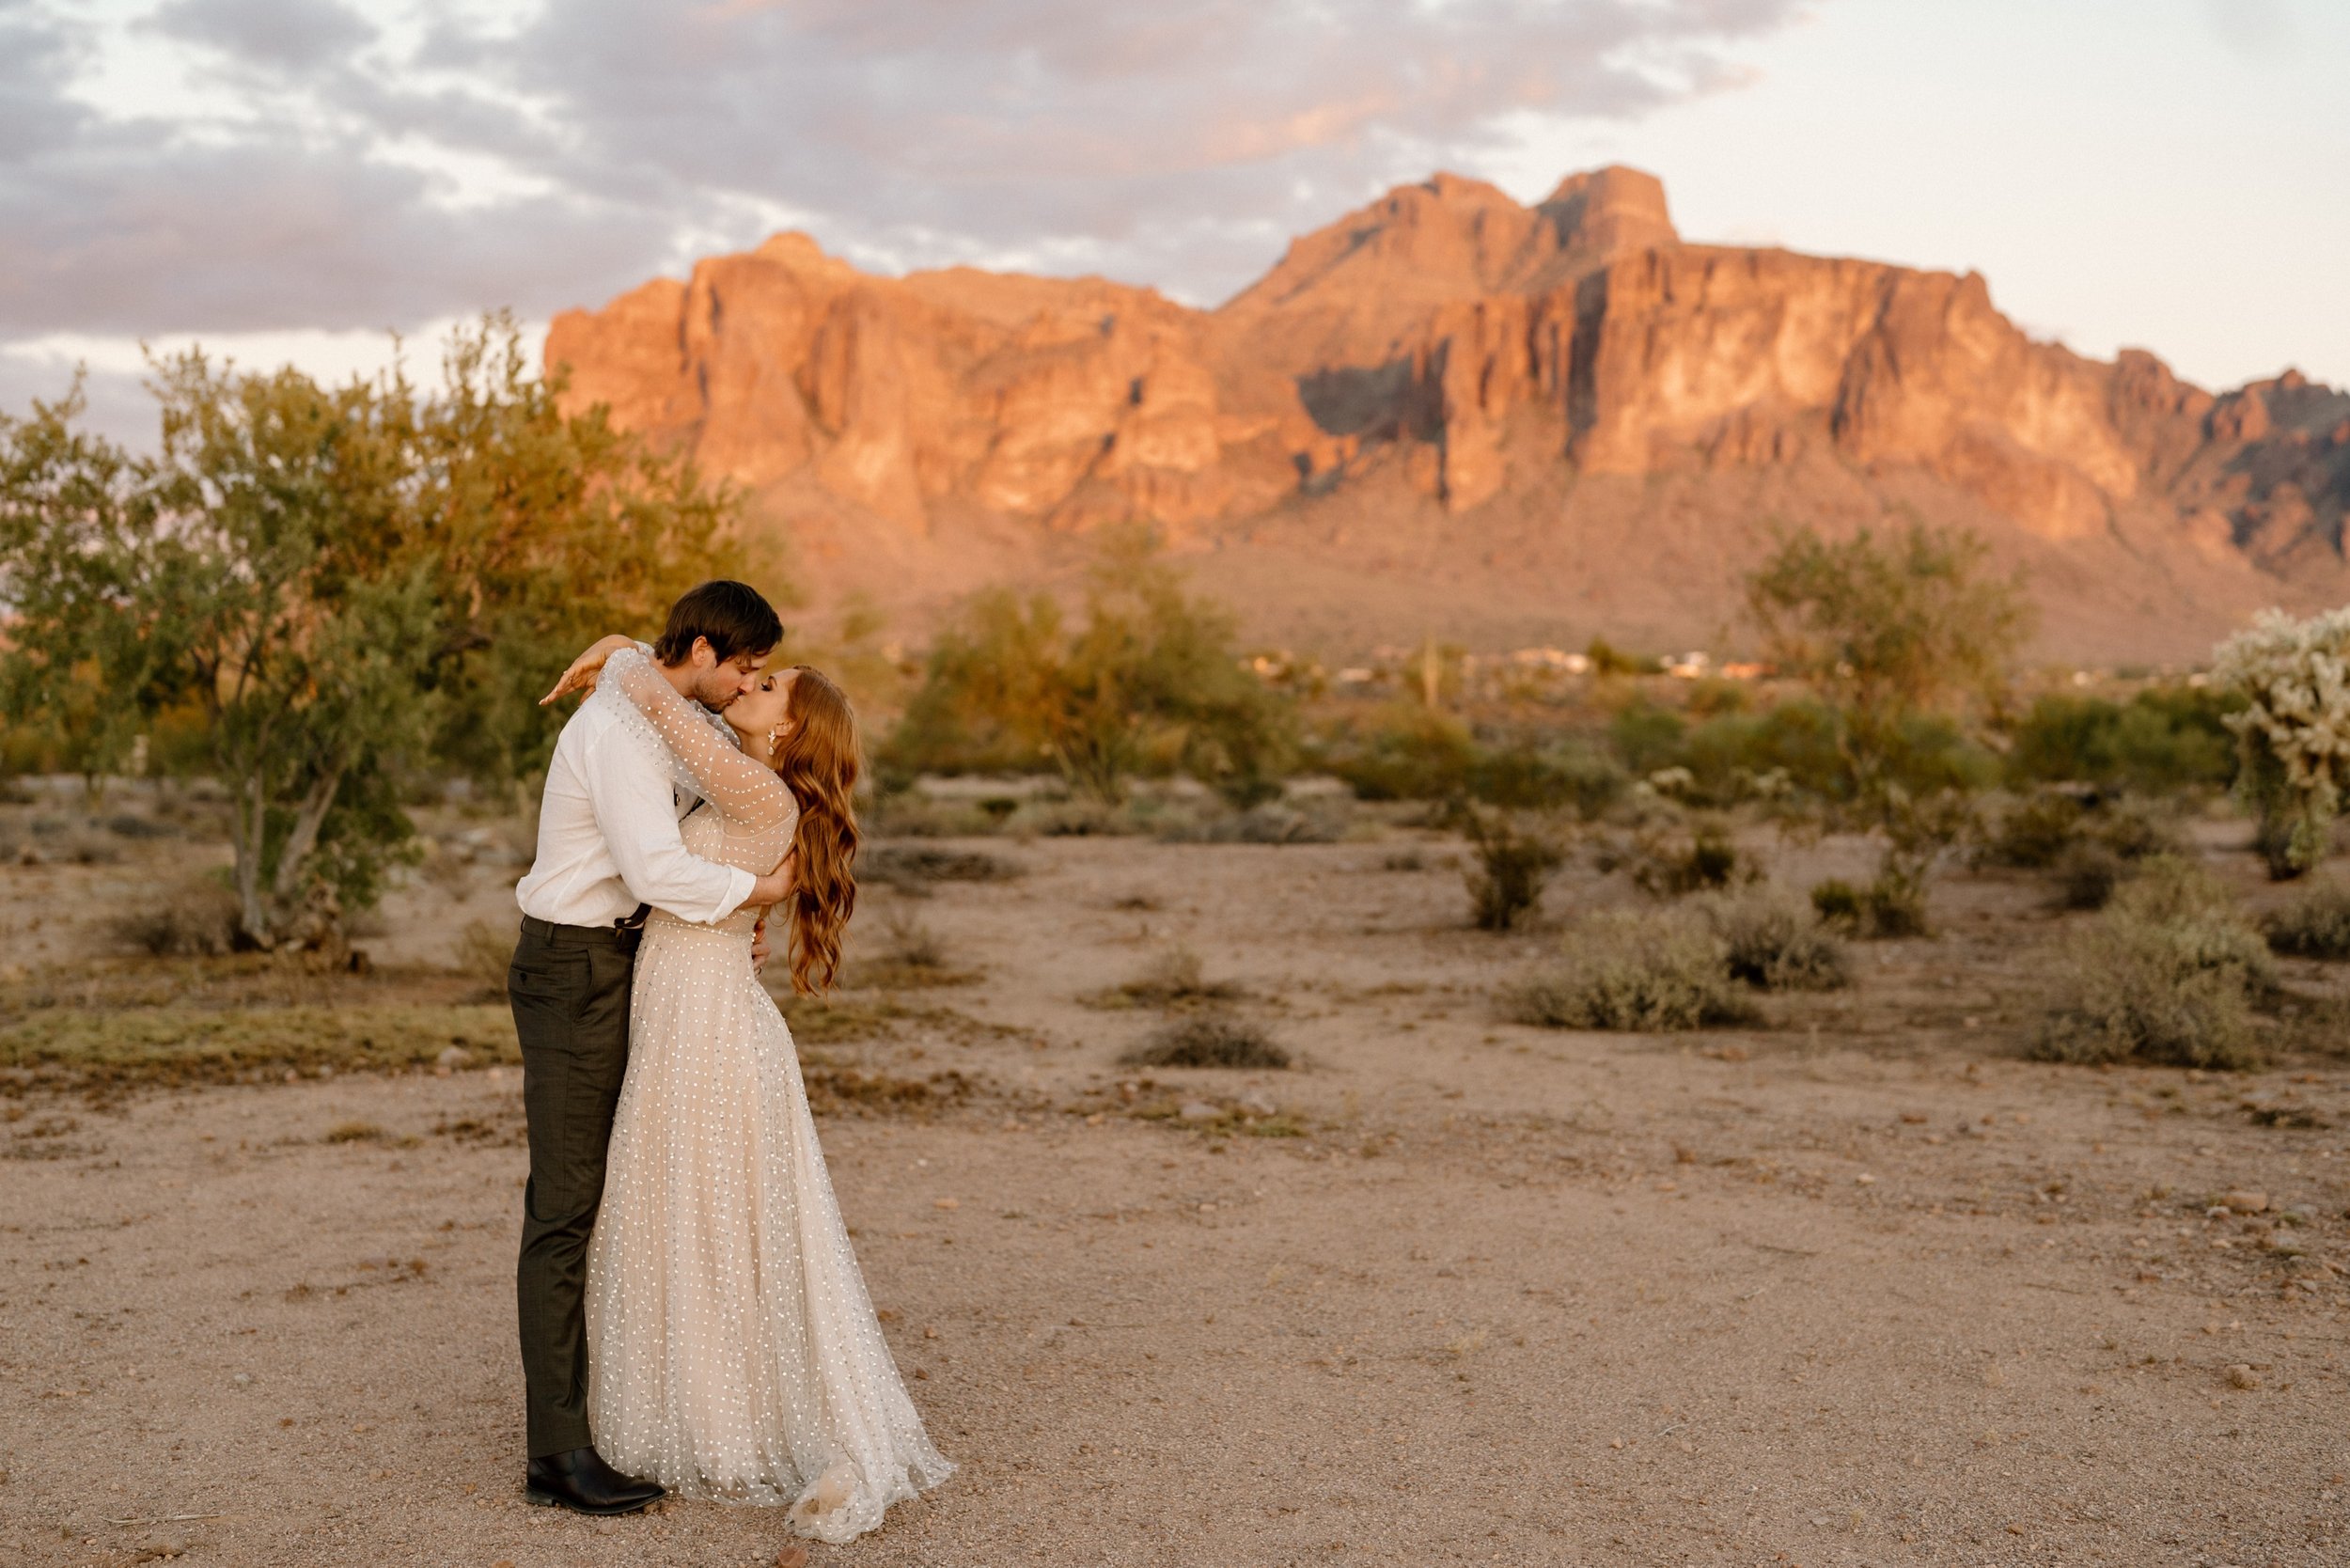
x=1449 y=412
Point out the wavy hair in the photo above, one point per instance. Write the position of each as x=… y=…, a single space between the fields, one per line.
x=818 y=764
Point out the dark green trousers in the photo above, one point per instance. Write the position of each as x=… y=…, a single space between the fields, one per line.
x=570 y=989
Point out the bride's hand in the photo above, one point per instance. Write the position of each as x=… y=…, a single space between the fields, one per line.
x=581 y=677
x=777 y=885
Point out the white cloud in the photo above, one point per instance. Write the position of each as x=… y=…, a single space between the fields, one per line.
x=255 y=165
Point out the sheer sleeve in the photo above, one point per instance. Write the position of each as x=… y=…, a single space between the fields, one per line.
x=743 y=787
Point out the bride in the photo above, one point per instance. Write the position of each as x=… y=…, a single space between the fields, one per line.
x=732 y=1350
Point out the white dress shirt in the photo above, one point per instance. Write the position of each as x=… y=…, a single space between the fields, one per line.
x=608 y=837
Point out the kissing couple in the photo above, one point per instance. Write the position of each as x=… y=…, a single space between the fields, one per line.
x=691 y=1311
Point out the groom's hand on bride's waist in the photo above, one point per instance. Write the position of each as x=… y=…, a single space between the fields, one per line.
x=759 y=944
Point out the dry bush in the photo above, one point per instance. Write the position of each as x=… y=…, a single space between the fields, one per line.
x=2315 y=925
x=1700 y=858
x=1211 y=1038
x=911 y=954
x=912 y=814
x=1174 y=979
x=2171 y=973
x=2088 y=874
x=445 y=870
x=1513 y=860
x=2091 y=849
x=195 y=919
x=2033 y=833
x=1273 y=822
x=482 y=952
x=1776 y=944
x=913 y=868
x=1646 y=972
x=1883 y=907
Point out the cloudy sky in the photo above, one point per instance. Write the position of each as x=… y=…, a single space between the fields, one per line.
x=294 y=178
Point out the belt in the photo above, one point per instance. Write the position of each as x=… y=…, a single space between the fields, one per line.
x=623 y=933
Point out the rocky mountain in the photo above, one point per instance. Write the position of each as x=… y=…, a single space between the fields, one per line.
x=1452 y=413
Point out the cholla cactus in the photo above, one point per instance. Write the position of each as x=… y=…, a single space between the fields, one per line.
x=2294 y=730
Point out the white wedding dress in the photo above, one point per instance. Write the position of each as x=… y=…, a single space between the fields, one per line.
x=732 y=1350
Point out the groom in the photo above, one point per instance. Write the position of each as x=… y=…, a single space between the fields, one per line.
x=609 y=848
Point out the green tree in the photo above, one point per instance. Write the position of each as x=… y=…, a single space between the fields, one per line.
x=1150 y=672
x=548 y=530
x=1887 y=630
x=1893 y=634
x=351 y=583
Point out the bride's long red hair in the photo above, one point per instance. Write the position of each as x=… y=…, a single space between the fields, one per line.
x=818 y=764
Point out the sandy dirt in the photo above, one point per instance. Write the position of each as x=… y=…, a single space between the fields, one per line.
x=1861 y=1286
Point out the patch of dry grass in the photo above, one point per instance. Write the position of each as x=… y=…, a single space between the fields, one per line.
x=482 y=952
x=173 y=1044
x=1208 y=1040
x=1173 y=979
x=834 y=1088
x=916 y=869
x=197 y=919
x=912 y=955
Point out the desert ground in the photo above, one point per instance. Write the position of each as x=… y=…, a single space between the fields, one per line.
x=1858 y=1284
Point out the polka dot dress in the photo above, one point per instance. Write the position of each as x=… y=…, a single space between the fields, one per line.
x=732 y=1350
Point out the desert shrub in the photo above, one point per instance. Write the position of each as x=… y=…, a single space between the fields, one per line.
x=1515 y=858
x=1152 y=680
x=1520 y=774
x=198 y=918
x=2088 y=872
x=1403 y=752
x=1271 y=823
x=1208 y=1040
x=1775 y=944
x=1647 y=737
x=482 y=952
x=2091 y=846
x=1649 y=972
x=913 y=868
x=1669 y=862
x=908 y=942
x=2170 y=973
x=1173 y=978
x=2315 y=925
x=2293 y=732
x=2033 y=833
x=2162 y=740
x=2135 y=831
x=912 y=813
x=1608 y=659
x=1881 y=909
x=1729 y=752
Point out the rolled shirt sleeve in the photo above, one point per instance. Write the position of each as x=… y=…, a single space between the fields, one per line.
x=638 y=817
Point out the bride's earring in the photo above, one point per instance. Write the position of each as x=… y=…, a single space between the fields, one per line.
x=775 y=739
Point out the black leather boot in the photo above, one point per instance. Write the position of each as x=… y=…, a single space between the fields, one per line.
x=581 y=1480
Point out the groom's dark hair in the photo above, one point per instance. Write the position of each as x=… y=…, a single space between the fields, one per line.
x=734 y=616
